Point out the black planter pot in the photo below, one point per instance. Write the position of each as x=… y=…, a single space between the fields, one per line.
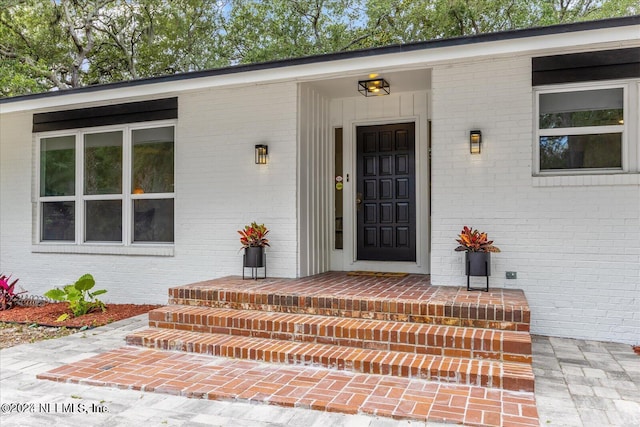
x=478 y=263
x=254 y=257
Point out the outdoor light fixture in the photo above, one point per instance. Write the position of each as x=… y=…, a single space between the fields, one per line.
x=374 y=87
x=475 y=140
x=262 y=153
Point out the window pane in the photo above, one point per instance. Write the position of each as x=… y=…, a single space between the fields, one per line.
x=103 y=220
x=58 y=166
x=152 y=161
x=153 y=220
x=103 y=163
x=58 y=221
x=581 y=151
x=337 y=194
x=603 y=107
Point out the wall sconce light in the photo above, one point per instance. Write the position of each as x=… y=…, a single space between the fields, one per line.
x=475 y=140
x=262 y=153
x=374 y=87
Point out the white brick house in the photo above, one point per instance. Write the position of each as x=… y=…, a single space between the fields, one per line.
x=562 y=202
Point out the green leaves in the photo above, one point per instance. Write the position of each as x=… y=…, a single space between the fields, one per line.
x=78 y=297
x=85 y=283
x=56 y=294
x=70 y=43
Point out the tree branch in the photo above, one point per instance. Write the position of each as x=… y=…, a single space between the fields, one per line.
x=16 y=32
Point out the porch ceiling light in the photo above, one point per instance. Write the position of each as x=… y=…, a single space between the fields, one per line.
x=262 y=153
x=475 y=141
x=374 y=87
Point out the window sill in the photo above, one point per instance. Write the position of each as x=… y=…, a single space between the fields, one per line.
x=136 y=250
x=586 y=180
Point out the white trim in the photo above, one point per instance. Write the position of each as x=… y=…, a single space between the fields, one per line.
x=336 y=261
x=126 y=246
x=104 y=249
x=636 y=121
x=597 y=178
x=624 y=129
x=127 y=206
x=349 y=226
x=582 y=130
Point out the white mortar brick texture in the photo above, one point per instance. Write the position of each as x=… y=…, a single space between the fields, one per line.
x=574 y=241
x=219 y=189
x=575 y=248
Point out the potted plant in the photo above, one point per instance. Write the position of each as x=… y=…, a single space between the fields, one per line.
x=253 y=241
x=478 y=250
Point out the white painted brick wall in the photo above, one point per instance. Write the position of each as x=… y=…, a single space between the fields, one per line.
x=219 y=188
x=576 y=248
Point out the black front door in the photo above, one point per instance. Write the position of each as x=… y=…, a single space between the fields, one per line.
x=386 y=201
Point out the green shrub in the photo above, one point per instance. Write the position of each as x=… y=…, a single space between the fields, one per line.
x=78 y=297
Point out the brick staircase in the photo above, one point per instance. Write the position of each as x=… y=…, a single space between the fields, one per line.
x=393 y=347
x=399 y=327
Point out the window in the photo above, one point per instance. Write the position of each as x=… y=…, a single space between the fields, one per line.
x=111 y=186
x=337 y=193
x=581 y=130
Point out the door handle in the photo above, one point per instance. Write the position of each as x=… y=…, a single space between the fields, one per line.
x=358 y=200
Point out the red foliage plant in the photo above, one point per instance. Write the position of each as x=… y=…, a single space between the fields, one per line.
x=8 y=296
x=471 y=240
x=253 y=236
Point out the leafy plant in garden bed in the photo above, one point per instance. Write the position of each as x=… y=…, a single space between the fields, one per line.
x=78 y=296
x=8 y=296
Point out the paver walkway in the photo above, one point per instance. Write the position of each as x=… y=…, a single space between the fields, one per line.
x=578 y=383
x=586 y=383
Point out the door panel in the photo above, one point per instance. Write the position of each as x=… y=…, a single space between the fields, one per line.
x=386 y=205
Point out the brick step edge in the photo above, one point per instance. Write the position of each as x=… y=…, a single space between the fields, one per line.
x=419 y=338
x=466 y=315
x=485 y=373
x=300 y=387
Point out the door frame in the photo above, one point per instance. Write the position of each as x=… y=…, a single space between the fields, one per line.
x=349 y=255
x=375 y=197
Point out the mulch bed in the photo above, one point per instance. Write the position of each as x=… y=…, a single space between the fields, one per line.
x=49 y=313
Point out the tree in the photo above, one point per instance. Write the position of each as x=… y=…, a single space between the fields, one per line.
x=64 y=44
x=154 y=37
x=257 y=31
x=402 y=21
x=30 y=57
x=61 y=44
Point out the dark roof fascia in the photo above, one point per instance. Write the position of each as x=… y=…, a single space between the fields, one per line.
x=384 y=50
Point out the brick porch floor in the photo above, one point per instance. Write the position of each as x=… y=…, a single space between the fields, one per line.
x=394 y=347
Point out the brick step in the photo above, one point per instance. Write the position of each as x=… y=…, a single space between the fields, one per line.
x=407 y=299
x=485 y=373
x=203 y=377
x=421 y=338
